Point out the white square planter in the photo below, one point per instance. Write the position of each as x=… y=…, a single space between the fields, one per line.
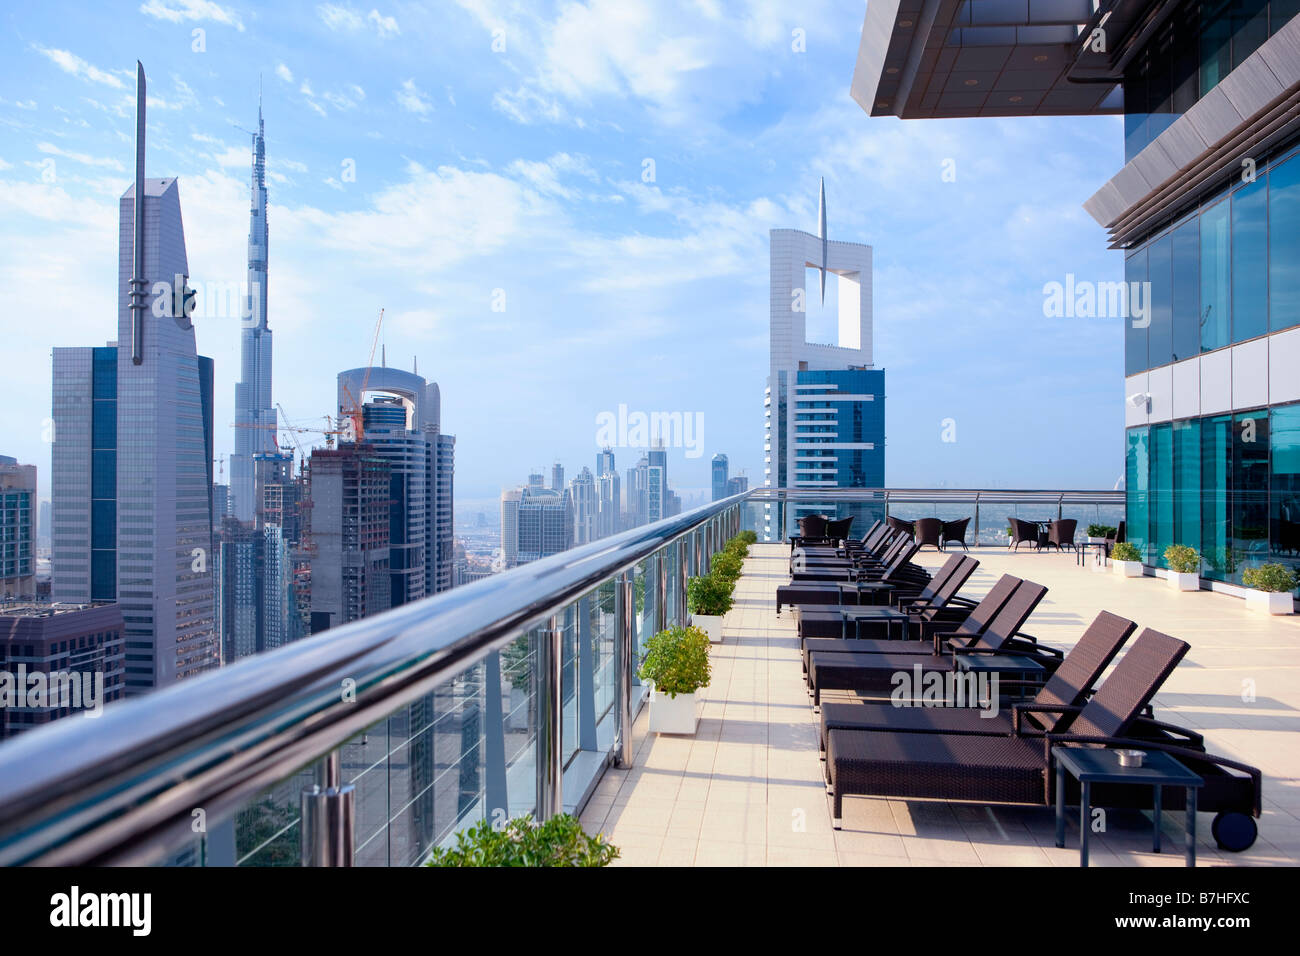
x=710 y=624
x=1127 y=569
x=673 y=715
x=1093 y=539
x=1270 y=602
x=1184 y=581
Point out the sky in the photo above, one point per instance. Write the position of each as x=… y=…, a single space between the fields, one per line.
x=562 y=208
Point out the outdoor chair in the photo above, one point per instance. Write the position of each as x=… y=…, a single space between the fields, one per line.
x=929 y=531
x=955 y=531
x=1060 y=533
x=1022 y=532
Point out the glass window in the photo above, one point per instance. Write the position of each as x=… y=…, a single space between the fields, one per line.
x=1160 y=347
x=1187 y=483
x=1250 y=489
x=1136 y=485
x=1280 y=12
x=1216 y=308
x=1284 y=244
x=1216 y=44
x=1284 y=519
x=1161 y=497
x=1250 y=260
x=1249 y=28
x=1135 y=337
x=1216 y=482
x=1185 y=294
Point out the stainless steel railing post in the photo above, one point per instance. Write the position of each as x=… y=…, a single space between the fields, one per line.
x=683 y=571
x=550 y=777
x=661 y=590
x=329 y=817
x=624 y=665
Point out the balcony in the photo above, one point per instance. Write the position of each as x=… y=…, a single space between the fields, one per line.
x=380 y=740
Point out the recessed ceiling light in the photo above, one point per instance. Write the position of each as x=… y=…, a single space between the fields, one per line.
x=1016 y=99
x=972 y=82
x=1041 y=58
x=891 y=69
x=882 y=103
x=904 y=23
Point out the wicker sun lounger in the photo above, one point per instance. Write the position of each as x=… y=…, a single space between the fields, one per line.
x=1068 y=687
x=874 y=673
x=1018 y=769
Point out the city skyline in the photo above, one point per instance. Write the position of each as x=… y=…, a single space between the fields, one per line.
x=540 y=189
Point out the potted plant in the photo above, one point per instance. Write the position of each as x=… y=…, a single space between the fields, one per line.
x=1184 y=567
x=1270 y=588
x=676 y=663
x=726 y=565
x=1098 y=533
x=1126 y=560
x=560 y=841
x=708 y=598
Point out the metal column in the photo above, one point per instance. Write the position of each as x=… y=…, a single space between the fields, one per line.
x=624 y=665
x=682 y=572
x=329 y=817
x=550 y=778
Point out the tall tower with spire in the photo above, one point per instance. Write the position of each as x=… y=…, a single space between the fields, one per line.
x=254 y=409
x=825 y=401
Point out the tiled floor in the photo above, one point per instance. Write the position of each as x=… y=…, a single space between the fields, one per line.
x=747 y=788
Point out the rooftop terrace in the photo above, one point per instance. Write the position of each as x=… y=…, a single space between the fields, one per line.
x=747 y=788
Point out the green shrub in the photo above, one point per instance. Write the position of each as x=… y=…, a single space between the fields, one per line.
x=1270 y=577
x=727 y=565
x=1124 y=551
x=1101 y=531
x=737 y=545
x=677 y=660
x=749 y=537
x=1182 y=559
x=709 y=594
x=560 y=841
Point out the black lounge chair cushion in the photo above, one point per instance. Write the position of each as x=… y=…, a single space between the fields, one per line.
x=982 y=769
x=861 y=715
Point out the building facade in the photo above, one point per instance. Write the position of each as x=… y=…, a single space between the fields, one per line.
x=133 y=452
x=1206 y=210
x=44 y=643
x=17 y=530
x=825 y=403
x=718 y=471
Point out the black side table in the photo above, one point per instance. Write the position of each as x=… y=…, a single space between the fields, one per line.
x=1026 y=673
x=1090 y=765
x=890 y=615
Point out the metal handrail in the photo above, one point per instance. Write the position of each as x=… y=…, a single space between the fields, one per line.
x=124 y=788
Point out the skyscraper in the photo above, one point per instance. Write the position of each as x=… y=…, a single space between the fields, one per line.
x=719 y=465
x=582 y=492
x=609 y=518
x=535 y=522
x=132 y=456
x=403 y=425
x=825 y=404
x=349 y=490
x=557 y=477
x=17 y=530
x=254 y=410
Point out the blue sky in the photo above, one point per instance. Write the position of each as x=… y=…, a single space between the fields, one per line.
x=522 y=169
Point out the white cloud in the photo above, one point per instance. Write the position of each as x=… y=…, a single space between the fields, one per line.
x=384 y=26
x=83 y=158
x=545 y=176
x=284 y=73
x=75 y=65
x=346 y=19
x=412 y=99
x=178 y=11
x=4 y=165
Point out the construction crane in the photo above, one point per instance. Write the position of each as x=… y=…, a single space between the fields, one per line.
x=353 y=409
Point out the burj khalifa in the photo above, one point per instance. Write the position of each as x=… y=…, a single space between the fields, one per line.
x=255 y=431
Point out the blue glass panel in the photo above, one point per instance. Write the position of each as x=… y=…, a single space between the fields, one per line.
x=1186 y=291
x=1135 y=334
x=1250 y=260
x=1216 y=300
x=1284 y=244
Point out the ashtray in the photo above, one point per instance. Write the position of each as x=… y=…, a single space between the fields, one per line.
x=1131 y=758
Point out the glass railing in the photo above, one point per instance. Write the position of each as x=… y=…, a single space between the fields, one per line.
x=774 y=513
x=379 y=740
